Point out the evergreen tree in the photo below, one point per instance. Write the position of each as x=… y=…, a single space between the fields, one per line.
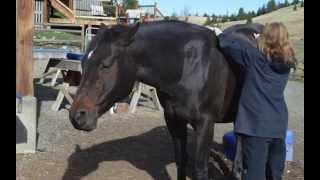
x=241 y=14
x=252 y=14
x=213 y=18
x=279 y=5
x=205 y=15
x=294 y=2
x=271 y=5
x=286 y=3
x=130 y=4
x=259 y=12
x=174 y=16
x=263 y=10
x=233 y=17
x=302 y=4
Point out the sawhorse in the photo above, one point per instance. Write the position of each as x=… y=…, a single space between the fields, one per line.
x=145 y=89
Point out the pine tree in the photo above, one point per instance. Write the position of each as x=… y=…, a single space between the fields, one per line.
x=294 y=2
x=286 y=3
x=271 y=5
x=130 y=4
x=253 y=14
x=241 y=14
x=233 y=17
x=213 y=18
x=259 y=12
x=174 y=16
x=263 y=9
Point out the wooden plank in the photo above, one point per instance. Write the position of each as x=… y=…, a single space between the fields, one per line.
x=60 y=21
x=61 y=30
x=71 y=5
x=54 y=41
x=95 y=22
x=96 y=17
x=145 y=6
x=135 y=98
x=63 y=64
x=80 y=21
x=65 y=10
x=63 y=25
x=155 y=9
x=116 y=9
x=24 y=57
x=159 y=12
x=56 y=105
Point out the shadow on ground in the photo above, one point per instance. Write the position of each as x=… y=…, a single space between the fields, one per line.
x=151 y=152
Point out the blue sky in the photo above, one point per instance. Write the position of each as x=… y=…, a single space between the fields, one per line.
x=167 y=7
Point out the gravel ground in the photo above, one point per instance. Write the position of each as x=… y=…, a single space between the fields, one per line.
x=129 y=146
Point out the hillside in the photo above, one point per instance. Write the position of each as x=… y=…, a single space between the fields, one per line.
x=294 y=20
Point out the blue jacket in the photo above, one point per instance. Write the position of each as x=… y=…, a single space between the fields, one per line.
x=262 y=109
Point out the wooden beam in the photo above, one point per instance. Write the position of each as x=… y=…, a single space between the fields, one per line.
x=24 y=58
x=84 y=21
x=45 y=11
x=60 y=21
x=65 y=10
x=117 y=9
x=96 y=17
x=155 y=9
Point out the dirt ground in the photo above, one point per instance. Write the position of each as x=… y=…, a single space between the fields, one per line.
x=129 y=146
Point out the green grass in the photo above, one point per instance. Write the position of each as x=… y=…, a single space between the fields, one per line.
x=56 y=35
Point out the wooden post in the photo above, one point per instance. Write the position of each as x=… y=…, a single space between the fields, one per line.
x=70 y=4
x=155 y=9
x=83 y=29
x=45 y=11
x=117 y=9
x=24 y=36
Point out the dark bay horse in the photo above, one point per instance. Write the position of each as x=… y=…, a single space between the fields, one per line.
x=195 y=82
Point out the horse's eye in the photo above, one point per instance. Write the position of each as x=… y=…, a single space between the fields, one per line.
x=104 y=66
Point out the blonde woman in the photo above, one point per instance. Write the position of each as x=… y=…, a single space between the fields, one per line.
x=262 y=118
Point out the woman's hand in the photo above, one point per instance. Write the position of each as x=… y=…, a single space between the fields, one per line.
x=256 y=35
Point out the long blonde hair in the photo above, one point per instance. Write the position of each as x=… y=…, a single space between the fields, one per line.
x=274 y=43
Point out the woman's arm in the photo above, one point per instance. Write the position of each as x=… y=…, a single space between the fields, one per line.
x=237 y=49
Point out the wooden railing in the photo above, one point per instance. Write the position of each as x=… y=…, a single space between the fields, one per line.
x=152 y=10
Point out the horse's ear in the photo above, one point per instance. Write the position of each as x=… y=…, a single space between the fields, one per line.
x=127 y=37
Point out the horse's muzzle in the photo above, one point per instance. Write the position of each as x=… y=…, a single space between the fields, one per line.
x=81 y=119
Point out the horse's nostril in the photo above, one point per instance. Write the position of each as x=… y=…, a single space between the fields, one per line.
x=81 y=113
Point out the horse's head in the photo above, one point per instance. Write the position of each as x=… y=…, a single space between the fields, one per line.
x=108 y=75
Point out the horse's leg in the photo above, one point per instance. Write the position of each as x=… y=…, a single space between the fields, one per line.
x=204 y=132
x=178 y=133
